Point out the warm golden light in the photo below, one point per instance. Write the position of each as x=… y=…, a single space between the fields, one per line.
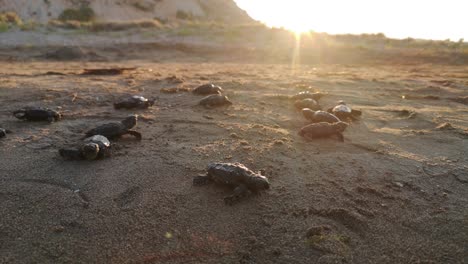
x=396 y=19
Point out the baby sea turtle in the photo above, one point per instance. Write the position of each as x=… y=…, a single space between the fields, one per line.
x=306 y=94
x=37 y=114
x=4 y=132
x=116 y=129
x=307 y=103
x=235 y=175
x=215 y=100
x=135 y=101
x=323 y=129
x=95 y=147
x=207 y=89
x=319 y=116
x=344 y=112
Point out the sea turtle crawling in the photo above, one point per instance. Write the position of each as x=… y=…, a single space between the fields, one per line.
x=323 y=129
x=116 y=129
x=4 y=132
x=307 y=103
x=319 y=116
x=215 y=100
x=206 y=89
x=37 y=114
x=306 y=94
x=344 y=112
x=135 y=101
x=95 y=147
x=235 y=175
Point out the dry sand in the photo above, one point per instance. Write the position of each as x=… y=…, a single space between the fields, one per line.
x=394 y=192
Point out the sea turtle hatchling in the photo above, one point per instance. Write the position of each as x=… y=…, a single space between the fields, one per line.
x=235 y=175
x=307 y=103
x=306 y=94
x=215 y=100
x=135 y=101
x=95 y=147
x=323 y=129
x=206 y=89
x=319 y=116
x=116 y=129
x=344 y=112
x=4 y=132
x=37 y=114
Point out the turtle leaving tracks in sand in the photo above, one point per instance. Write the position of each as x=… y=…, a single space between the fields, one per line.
x=319 y=116
x=215 y=100
x=236 y=175
x=307 y=103
x=4 y=132
x=323 y=129
x=207 y=89
x=37 y=114
x=135 y=101
x=116 y=129
x=306 y=94
x=344 y=112
x=95 y=147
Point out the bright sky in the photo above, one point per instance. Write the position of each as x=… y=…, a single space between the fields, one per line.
x=428 y=19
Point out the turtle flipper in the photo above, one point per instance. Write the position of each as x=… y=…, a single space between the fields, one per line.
x=201 y=180
x=70 y=154
x=356 y=112
x=239 y=192
x=340 y=137
x=50 y=119
x=134 y=133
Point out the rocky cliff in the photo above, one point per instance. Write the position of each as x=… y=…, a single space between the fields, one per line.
x=128 y=10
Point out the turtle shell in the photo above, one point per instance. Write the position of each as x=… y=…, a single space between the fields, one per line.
x=341 y=108
x=98 y=139
x=319 y=116
x=306 y=94
x=207 y=89
x=307 y=103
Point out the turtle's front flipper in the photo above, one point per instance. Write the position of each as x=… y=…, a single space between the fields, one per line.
x=340 y=137
x=356 y=112
x=239 y=192
x=71 y=154
x=134 y=133
x=201 y=180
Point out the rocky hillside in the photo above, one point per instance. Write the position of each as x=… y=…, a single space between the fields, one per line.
x=128 y=10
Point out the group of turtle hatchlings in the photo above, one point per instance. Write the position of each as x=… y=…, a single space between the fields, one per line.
x=332 y=122
x=96 y=144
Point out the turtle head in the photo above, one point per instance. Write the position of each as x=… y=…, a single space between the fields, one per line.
x=130 y=121
x=340 y=126
x=90 y=151
x=57 y=115
x=54 y=116
x=341 y=102
x=308 y=113
x=259 y=182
